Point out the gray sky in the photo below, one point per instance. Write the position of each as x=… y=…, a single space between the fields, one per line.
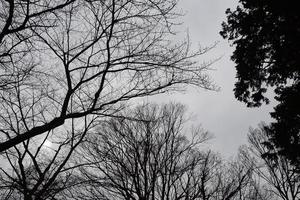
x=218 y=112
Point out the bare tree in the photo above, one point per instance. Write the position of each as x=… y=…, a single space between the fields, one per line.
x=225 y=179
x=64 y=60
x=64 y=65
x=40 y=169
x=276 y=173
x=18 y=20
x=146 y=155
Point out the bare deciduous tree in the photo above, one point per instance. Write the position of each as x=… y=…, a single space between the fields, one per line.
x=40 y=169
x=19 y=54
x=64 y=60
x=145 y=155
x=66 y=64
x=277 y=174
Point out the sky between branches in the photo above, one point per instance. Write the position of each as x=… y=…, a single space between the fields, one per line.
x=218 y=112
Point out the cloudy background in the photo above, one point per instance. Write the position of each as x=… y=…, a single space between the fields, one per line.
x=218 y=112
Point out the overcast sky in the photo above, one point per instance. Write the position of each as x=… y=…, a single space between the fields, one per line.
x=218 y=112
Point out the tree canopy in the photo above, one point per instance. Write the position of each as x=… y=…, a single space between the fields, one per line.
x=75 y=59
x=66 y=65
x=266 y=36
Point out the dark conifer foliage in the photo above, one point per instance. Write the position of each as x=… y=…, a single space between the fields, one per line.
x=266 y=36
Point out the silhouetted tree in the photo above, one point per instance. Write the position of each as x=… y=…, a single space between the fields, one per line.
x=280 y=177
x=39 y=169
x=18 y=21
x=266 y=36
x=145 y=155
x=64 y=65
x=64 y=60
